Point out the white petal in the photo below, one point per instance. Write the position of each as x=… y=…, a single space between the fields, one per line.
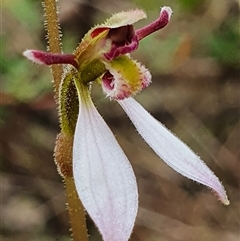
x=104 y=178
x=173 y=151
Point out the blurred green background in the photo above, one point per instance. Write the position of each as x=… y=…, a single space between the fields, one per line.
x=195 y=93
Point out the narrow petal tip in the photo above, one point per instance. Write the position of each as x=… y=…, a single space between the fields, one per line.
x=216 y=187
x=225 y=201
x=222 y=196
x=166 y=10
x=30 y=54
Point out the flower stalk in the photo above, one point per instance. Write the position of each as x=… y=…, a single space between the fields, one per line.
x=63 y=155
x=76 y=212
x=54 y=39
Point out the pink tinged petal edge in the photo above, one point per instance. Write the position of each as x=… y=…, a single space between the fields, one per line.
x=172 y=150
x=104 y=178
x=117 y=84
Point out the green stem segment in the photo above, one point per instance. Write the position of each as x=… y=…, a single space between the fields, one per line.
x=76 y=212
x=92 y=71
x=54 y=40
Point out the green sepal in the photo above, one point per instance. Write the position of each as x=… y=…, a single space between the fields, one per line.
x=92 y=71
x=68 y=102
x=91 y=48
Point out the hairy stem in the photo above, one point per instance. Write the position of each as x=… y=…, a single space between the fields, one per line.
x=75 y=207
x=76 y=212
x=54 y=40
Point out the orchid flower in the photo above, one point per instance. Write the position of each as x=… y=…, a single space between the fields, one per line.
x=104 y=178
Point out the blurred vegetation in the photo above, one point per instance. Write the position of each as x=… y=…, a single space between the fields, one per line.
x=195 y=92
